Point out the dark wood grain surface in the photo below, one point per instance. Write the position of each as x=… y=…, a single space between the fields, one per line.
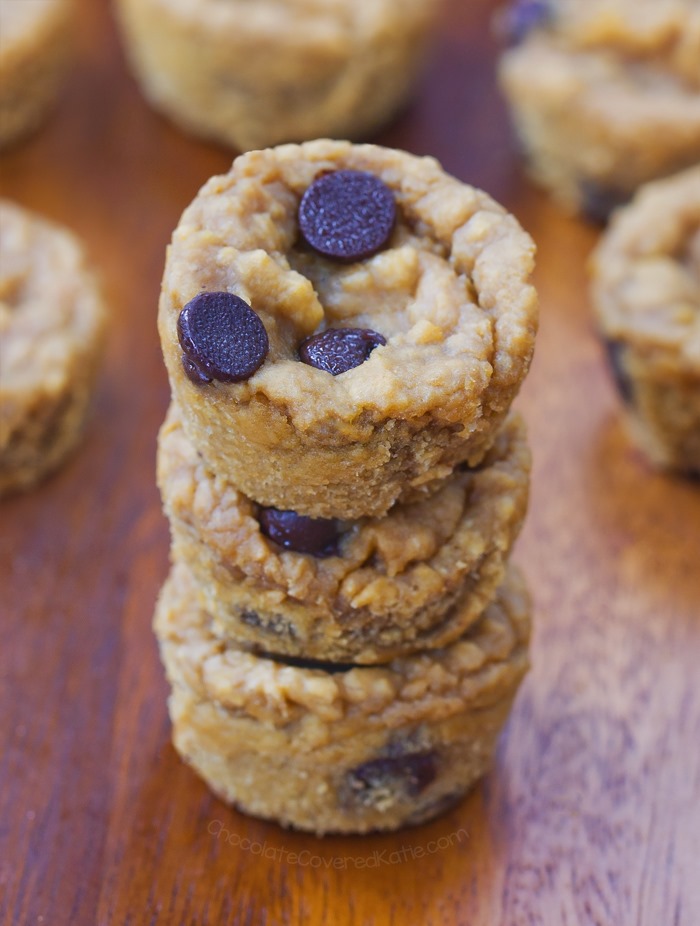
x=592 y=814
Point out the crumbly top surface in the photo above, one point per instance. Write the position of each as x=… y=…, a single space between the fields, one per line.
x=20 y=20
x=414 y=546
x=646 y=271
x=650 y=37
x=470 y=673
x=49 y=306
x=450 y=293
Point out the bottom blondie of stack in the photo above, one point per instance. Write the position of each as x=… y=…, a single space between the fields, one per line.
x=337 y=747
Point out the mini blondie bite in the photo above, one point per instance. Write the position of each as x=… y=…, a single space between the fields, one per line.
x=51 y=333
x=333 y=747
x=254 y=73
x=344 y=325
x=361 y=591
x=35 y=39
x=605 y=94
x=646 y=288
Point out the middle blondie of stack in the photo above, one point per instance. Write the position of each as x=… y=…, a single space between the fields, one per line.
x=345 y=328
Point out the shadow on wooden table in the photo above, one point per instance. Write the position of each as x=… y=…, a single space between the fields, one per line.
x=198 y=860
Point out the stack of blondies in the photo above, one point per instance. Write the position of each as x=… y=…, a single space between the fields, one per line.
x=345 y=328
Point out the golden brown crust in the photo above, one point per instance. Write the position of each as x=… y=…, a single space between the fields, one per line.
x=306 y=746
x=35 y=40
x=606 y=96
x=646 y=288
x=51 y=333
x=414 y=579
x=450 y=294
x=254 y=74
x=664 y=34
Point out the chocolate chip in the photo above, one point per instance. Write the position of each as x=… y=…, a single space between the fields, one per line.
x=410 y=774
x=337 y=350
x=347 y=215
x=615 y=351
x=599 y=201
x=222 y=337
x=193 y=372
x=297 y=532
x=524 y=16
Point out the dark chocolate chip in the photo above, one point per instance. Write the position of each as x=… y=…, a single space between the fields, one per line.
x=410 y=773
x=615 y=351
x=524 y=16
x=222 y=337
x=337 y=350
x=598 y=202
x=194 y=373
x=300 y=533
x=347 y=215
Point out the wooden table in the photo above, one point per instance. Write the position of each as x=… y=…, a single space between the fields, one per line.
x=592 y=814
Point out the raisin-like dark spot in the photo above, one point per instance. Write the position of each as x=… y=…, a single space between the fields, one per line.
x=598 y=202
x=318 y=536
x=347 y=215
x=523 y=17
x=222 y=337
x=409 y=774
x=338 y=350
x=615 y=351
